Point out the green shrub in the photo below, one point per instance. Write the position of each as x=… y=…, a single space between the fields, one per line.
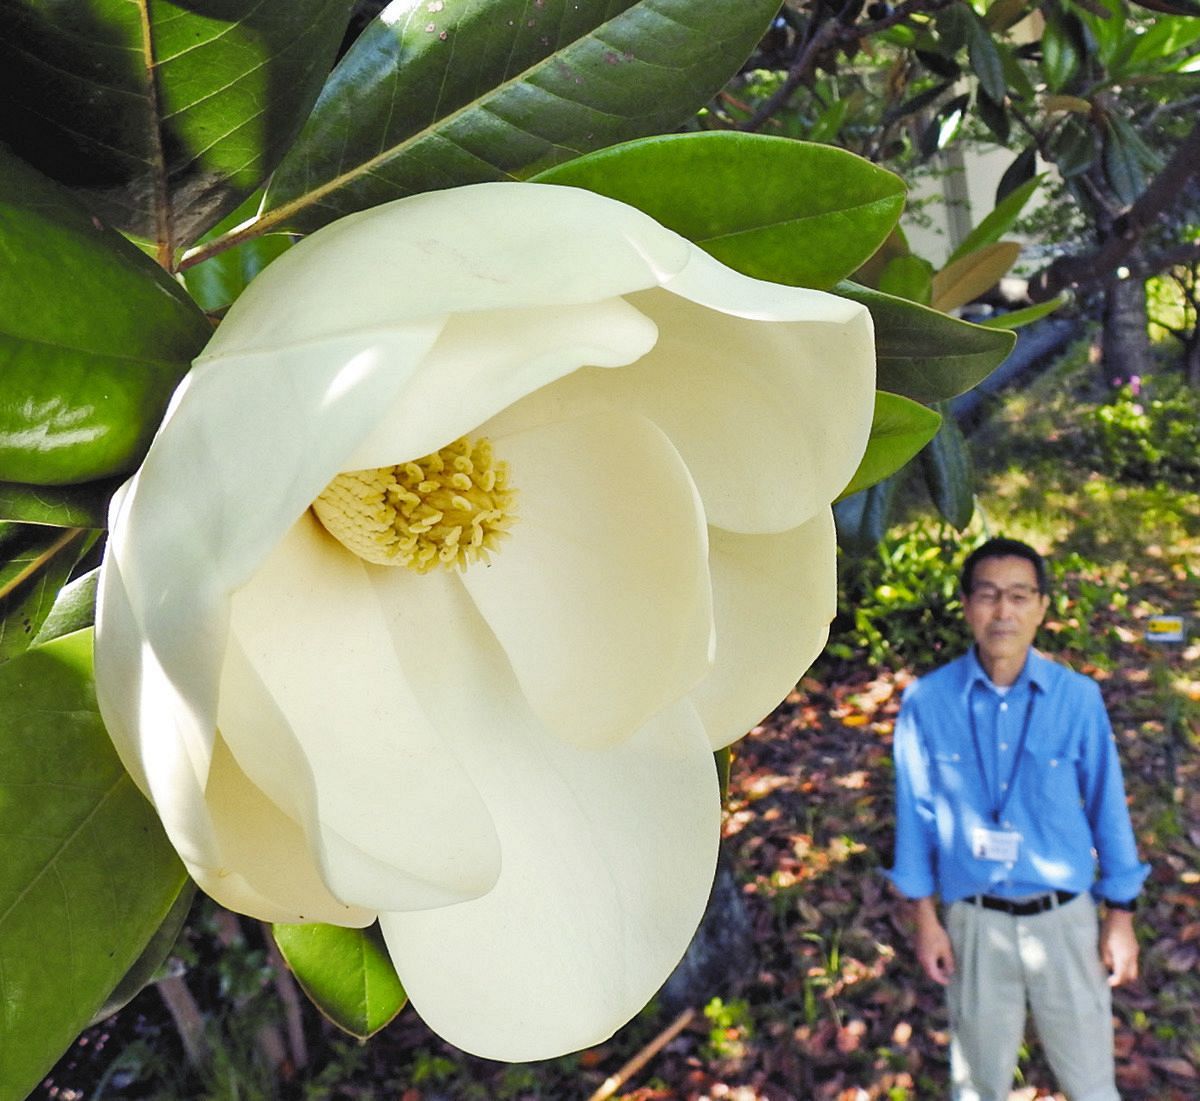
x=900 y=606
x=1087 y=600
x=1149 y=432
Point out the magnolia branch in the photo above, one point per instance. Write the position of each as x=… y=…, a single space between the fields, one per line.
x=1092 y=268
x=830 y=33
x=1184 y=255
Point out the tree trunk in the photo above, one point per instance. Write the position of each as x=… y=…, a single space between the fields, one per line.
x=1191 y=358
x=1125 y=343
x=721 y=956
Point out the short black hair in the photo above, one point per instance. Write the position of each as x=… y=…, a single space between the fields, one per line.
x=1001 y=547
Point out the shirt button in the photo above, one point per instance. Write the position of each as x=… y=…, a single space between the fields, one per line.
x=1004 y=707
x=1004 y=787
x=1004 y=745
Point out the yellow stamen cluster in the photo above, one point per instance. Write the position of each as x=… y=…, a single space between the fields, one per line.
x=449 y=509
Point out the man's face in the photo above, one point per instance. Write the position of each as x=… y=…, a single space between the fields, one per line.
x=1004 y=608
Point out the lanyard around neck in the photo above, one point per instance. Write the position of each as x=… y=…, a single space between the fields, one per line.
x=1006 y=789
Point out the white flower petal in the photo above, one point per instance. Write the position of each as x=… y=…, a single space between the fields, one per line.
x=484 y=247
x=119 y=666
x=267 y=868
x=401 y=823
x=245 y=448
x=608 y=861
x=774 y=597
x=486 y=360
x=771 y=417
x=603 y=581
x=135 y=694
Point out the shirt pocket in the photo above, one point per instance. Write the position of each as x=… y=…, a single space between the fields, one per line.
x=947 y=770
x=1054 y=773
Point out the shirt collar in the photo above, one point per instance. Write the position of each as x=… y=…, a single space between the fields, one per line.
x=1033 y=672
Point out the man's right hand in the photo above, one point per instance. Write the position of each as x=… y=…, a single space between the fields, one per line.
x=932 y=943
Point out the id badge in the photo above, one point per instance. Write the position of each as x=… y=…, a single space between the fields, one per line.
x=999 y=845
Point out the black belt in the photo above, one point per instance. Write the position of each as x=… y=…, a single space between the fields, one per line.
x=1037 y=905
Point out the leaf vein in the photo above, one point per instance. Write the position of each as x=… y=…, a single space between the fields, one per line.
x=66 y=843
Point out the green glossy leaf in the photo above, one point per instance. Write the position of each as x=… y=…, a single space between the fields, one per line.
x=430 y=97
x=899 y=429
x=829 y=122
x=82 y=506
x=1020 y=87
x=862 y=520
x=87 y=875
x=1073 y=147
x=347 y=973
x=162 y=114
x=1015 y=319
x=148 y=967
x=945 y=125
x=1105 y=22
x=1122 y=166
x=926 y=355
x=895 y=247
x=939 y=64
x=953 y=27
x=1060 y=55
x=904 y=38
x=94 y=338
x=948 y=473
x=984 y=56
x=1000 y=220
x=789 y=211
x=919 y=101
x=908 y=277
x=994 y=116
x=1146 y=157
x=1017 y=174
x=35 y=562
x=1163 y=40
x=74 y=608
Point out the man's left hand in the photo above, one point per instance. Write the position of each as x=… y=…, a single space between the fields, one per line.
x=1119 y=947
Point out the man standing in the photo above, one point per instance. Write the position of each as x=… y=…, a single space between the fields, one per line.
x=1010 y=806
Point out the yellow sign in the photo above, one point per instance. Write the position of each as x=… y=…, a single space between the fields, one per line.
x=1164 y=628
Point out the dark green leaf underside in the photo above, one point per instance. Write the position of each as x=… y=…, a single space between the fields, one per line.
x=926 y=355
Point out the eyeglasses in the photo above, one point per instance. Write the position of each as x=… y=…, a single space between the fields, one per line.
x=1019 y=596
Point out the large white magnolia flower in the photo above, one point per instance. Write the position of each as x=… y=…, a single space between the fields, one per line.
x=484 y=518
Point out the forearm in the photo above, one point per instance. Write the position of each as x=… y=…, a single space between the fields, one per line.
x=1119 y=947
x=924 y=912
x=1103 y=790
x=931 y=942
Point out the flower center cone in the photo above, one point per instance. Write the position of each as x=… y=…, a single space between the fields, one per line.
x=450 y=508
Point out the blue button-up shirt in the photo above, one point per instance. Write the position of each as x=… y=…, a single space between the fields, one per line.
x=968 y=758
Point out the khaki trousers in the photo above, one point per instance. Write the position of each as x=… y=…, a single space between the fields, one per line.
x=1048 y=961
